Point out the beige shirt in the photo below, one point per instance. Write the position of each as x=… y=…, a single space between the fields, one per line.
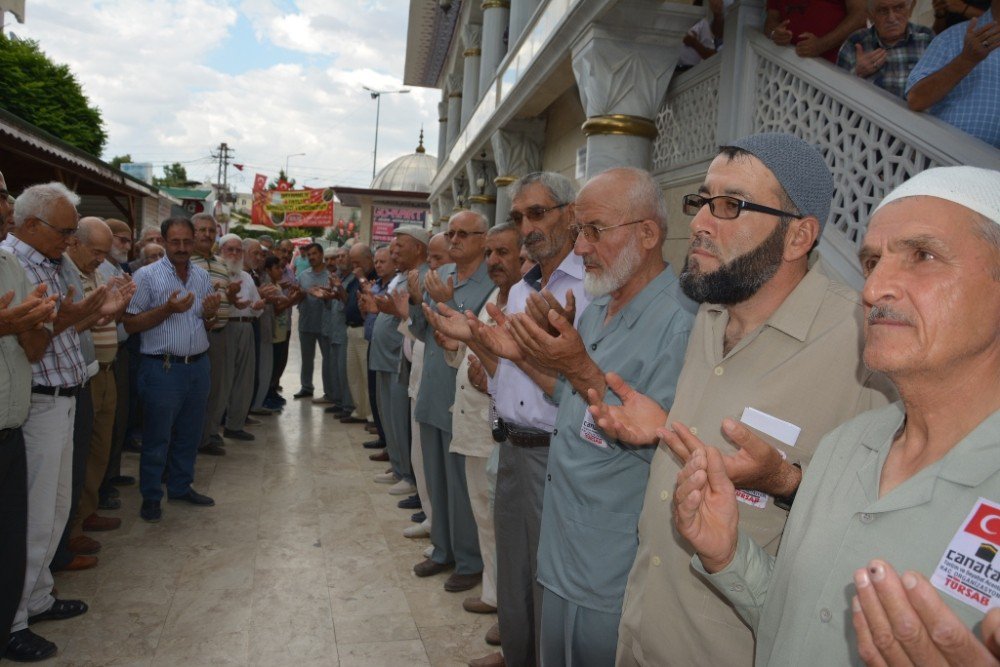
x=470 y=414
x=15 y=389
x=803 y=366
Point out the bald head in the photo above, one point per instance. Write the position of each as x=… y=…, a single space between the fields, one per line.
x=91 y=245
x=437 y=251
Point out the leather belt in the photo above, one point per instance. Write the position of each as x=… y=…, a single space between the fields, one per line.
x=56 y=391
x=242 y=319
x=171 y=358
x=520 y=438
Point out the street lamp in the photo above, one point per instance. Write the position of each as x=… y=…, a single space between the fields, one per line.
x=377 y=95
x=286 y=164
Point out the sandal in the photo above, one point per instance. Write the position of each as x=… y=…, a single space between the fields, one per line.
x=26 y=646
x=60 y=610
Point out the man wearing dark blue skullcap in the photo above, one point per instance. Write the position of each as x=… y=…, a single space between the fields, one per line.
x=775 y=352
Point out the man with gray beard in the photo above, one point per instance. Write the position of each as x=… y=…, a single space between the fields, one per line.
x=638 y=325
x=776 y=348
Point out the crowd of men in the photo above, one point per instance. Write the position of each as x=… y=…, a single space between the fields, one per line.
x=950 y=69
x=640 y=466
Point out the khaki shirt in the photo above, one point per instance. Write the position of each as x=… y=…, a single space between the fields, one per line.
x=219 y=275
x=802 y=366
x=800 y=604
x=15 y=390
x=471 y=431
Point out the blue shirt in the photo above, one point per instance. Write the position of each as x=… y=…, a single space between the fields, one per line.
x=595 y=486
x=181 y=334
x=311 y=309
x=973 y=105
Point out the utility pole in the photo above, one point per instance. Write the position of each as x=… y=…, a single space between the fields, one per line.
x=222 y=175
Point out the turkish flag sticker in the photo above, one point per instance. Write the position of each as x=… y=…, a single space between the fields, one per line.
x=985 y=523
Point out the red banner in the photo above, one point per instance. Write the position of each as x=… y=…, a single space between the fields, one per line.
x=283 y=207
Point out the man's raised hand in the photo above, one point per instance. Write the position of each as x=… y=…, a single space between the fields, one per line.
x=635 y=421
x=705 y=510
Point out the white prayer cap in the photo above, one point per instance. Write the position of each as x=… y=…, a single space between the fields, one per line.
x=972 y=187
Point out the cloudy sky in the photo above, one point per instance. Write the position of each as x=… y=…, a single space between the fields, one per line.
x=175 y=78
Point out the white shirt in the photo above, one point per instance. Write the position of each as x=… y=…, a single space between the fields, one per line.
x=248 y=292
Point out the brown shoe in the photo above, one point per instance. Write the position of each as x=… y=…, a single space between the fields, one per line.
x=81 y=563
x=462 y=582
x=491 y=660
x=428 y=568
x=493 y=635
x=81 y=545
x=381 y=456
x=96 y=523
x=477 y=606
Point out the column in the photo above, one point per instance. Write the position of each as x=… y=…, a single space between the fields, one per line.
x=623 y=64
x=517 y=150
x=442 y=127
x=495 y=13
x=445 y=206
x=738 y=78
x=454 y=107
x=482 y=197
x=460 y=192
x=472 y=35
x=521 y=12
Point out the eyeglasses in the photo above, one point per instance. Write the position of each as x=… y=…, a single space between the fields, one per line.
x=532 y=213
x=461 y=234
x=121 y=238
x=729 y=208
x=65 y=232
x=592 y=233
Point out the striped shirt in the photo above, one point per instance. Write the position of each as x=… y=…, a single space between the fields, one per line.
x=219 y=276
x=62 y=363
x=181 y=334
x=105 y=336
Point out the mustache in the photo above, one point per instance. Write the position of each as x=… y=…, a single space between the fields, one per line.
x=886 y=314
x=702 y=241
x=534 y=237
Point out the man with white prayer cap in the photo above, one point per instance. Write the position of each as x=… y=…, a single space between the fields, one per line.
x=913 y=486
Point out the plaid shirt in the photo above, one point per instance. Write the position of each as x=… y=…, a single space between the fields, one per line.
x=62 y=364
x=900 y=58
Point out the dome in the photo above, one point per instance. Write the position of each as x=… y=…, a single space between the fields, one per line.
x=410 y=173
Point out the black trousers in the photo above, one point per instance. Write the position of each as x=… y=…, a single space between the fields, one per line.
x=13 y=526
x=280 y=361
x=83 y=429
x=372 y=396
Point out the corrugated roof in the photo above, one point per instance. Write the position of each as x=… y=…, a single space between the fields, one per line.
x=187 y=193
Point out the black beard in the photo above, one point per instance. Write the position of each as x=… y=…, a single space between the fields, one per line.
x=739 y=279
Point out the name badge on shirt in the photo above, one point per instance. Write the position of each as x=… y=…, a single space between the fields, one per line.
x=966 y=571
x=589 y=432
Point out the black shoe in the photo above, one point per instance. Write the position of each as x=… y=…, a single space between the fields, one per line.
x=112 y=492
x=108 y=503
x=215 y=438
x=26 y=646
x=122 y=480
x=374 y=444
x=334 y=410
x=303 y=394
x=194 y=498
x=151 y=511
x=411 y=503
x=419 y=517
x=60 y=610
x=212 y=449
x=352 y=420
x=238 y=435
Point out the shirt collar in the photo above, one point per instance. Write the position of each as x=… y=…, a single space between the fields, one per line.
x=572 y=266
x=641 y=301
x=797 y=312
x=27 y=252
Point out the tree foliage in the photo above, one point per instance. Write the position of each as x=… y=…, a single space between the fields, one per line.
x=174 y=176
x=48 y=95
x=118 y=160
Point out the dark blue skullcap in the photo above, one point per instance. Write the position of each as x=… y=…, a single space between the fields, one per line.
x=799 y=168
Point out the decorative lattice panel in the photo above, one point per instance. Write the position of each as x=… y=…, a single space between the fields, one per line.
x=866 y=159
x=686 y=125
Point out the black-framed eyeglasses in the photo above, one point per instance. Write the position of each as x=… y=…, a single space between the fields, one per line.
x=461 y=234
x=729 y=208
x=533 y=213
x=592 y=232
x=65 y=232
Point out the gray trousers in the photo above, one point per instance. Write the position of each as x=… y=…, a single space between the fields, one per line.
x=340 y=392
x=575 y=636
x=221 y=382
x=122 y=390
x=239 y=361
x=307 y=345
x=265 y=357
x=394 y=409
x=453 y=530
x=517 y=520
